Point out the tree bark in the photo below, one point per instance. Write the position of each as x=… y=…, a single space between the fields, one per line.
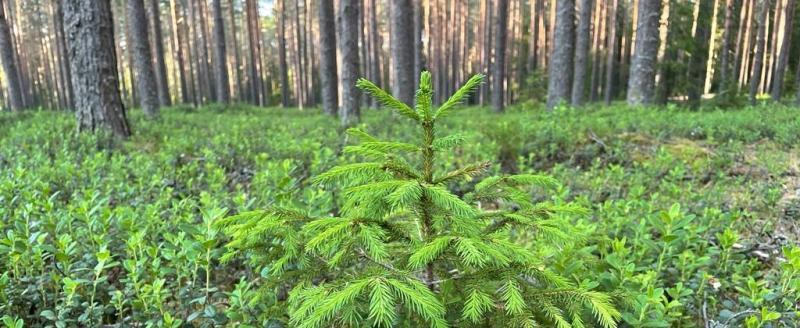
x=237 y=66
x=498 y=89
x=697 y=62
x=178 y=44
x=327 y=51
x=61 y=46
x=13 y=84
x=254 y=45
x=419 y=57
x=282 y=65
x=402 y=48
x=143 y=65
x=582 y=43
x=783 y=56
x=221 y=54
x=158 y=55
x=725 y=48
x=559 y=79
x=90 y=31
x=350 y=112
x=611 y=51
x=641 y=85
x=758 y=63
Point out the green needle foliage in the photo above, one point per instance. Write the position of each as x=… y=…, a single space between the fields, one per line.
x=406 y=251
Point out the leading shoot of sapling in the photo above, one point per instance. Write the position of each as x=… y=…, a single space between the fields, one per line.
x=405 y=251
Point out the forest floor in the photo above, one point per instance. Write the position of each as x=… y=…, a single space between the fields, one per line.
x=734 y=175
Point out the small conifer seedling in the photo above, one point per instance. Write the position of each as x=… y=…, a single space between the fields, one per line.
x=406 y=252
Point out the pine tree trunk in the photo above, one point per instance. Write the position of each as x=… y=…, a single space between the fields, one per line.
x=501 y=27
x=90 y=32
x=12 y=81
x=282 y=65
x=61 y=46
x=641 y=85
x=487 y=52
x=582 y=43
x=142 y=60
x=158 y=55
x=419 y=58
x=783 y=57
x=402 y=50
x=560 y=69
x=697 y=62
x=254 y=44
x=350 y=112
x=178 y=44
x=758 y=63
x=725 y=48
x=611 y=51
x=220 y=54
x=237 y=66
x=327 y=51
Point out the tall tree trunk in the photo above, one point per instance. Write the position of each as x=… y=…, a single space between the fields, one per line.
x=142 y=60
x=641 y=85
x=419 y=58
x=487 y=51
x=697 y=62
x=599 y=34
x=582 y=43
x=254 y=44
x=611 y=51
x=221 y=54
x=758 y=63
x=282 y=65
x=725 y=48
x=158 y=55
x=61 y=46
x=178 y=43
x=402 y=49
x=13 y=84
x=350 y=112
x=783 y=57
x=560 y=70
x=237 y=66
x=501 y=27
x=327 y=45
x=90 y=29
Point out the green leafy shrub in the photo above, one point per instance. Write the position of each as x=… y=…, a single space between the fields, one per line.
x=406 y=251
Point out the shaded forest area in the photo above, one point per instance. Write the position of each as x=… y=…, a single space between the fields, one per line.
x=295 y=53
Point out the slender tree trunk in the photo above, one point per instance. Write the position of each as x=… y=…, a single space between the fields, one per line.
x=220 y=54
x=282 y=65
x=13 y=85
x=402 y=49
x=560 y=70
x=158 y=55
x=501 y=27
x=90 y=29
x=237 y=65
x=725 y=48
x=697 y=62
x=350 y=112
x=178 y=44
x=783 y=56
x=254 y=45
x=758 y=63
x=599 y=34
x=419 y=58
x=611 y=52
x=582 y=43
x=61 y=46
x=641 y=85
x=142 y=60
x=327 y=44
x=487 y=51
